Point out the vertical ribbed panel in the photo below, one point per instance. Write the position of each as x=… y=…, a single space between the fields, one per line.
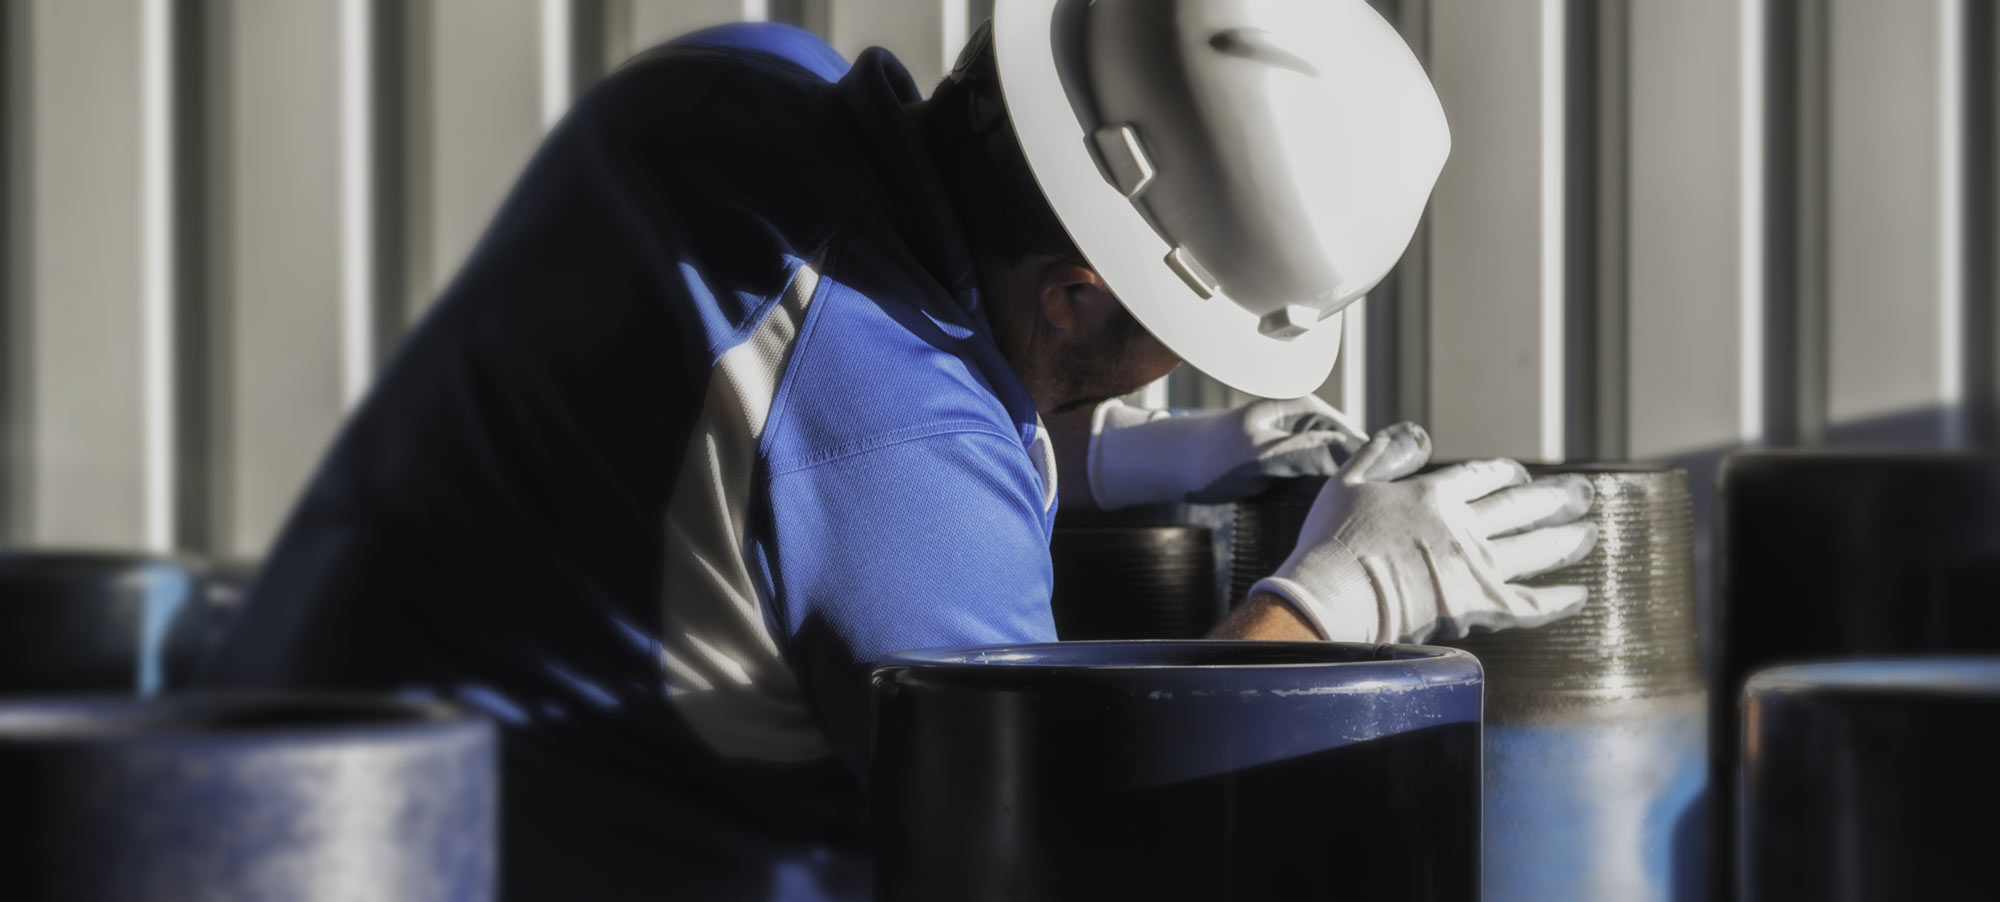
x=915 y=30
x=1666 y=228
x=364 y=128
x=16 y=476
x=1795 y=229
x=477 y=69
x=197 y=370
x=81 y=259
x=1399 y=321
x=810 y=15
x=644 y=23
x=1346 y=388
x=1351 y=370
x=1496 y=292
x=1982 y=224
x=280 y=272
x=1595 y=196
x=1895 y=184
x=159 y=264
x=1695 y=231
x=557 y=57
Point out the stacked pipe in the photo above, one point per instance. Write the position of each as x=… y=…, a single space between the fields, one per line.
x=80 y=621
x=157 y=795
x=1595 y=725
x=301 y=798
x=1177 y=770
x=1871 y=781
x=1133 y=581
x=1843 y=556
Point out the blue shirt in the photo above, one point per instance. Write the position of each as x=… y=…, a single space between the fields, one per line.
x=711 y=418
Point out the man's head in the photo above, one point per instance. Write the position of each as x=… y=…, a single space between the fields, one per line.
x=1203 y=156
x=1065 y=334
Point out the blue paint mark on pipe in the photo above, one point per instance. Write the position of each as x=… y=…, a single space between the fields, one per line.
x=1611 y=807
x=165 y=591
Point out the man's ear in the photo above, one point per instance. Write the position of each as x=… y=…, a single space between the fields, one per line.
x=1071 y=295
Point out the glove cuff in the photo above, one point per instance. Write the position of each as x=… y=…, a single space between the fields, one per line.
x=1336 y=597
x=1334 y=623
x=1122 y=471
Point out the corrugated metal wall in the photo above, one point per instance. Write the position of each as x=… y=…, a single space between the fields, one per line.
x=1669 y=228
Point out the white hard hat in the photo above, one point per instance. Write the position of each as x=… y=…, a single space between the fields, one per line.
x=1237 y=170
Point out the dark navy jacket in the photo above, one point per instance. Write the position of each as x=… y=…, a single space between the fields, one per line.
x=711 y=418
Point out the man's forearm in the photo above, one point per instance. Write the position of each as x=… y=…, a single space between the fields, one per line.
x=1264 y=616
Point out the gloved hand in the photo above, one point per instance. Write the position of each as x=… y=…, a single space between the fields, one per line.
x=1435 y=555
x=1140 y=456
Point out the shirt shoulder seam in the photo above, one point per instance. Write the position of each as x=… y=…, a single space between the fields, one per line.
x=888 y=439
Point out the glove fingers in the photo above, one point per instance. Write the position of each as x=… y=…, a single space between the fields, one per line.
x=1306 y=454
x=1309 y=454
x=1542 y=550
x=1247 y=480
x=1340 y=431
x=1356 y=471
x=1311 y=414
x=1477 y=479
x=1301 y=414
x=1392 y=454
x=1541 y=503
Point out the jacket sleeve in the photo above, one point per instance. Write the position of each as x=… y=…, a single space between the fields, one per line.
x=938 y=540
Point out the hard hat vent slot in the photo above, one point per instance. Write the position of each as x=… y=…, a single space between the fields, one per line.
x=1123 y=158
x=1289 y=322
x=1193 y=273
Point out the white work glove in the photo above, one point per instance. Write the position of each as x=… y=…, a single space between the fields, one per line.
x=1141 y=456
x=1436 y=555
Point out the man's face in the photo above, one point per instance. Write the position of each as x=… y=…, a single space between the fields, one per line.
x=1120 y=358
x=1068 y=338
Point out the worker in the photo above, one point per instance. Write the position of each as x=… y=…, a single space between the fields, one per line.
x=768 y=367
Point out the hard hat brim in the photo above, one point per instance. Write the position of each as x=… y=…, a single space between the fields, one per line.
x=1212 y=334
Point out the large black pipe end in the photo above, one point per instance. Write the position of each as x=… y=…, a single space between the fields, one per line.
x=1871 y=780
x=1844 y=554
x=1916 y=538
x=1178 y=770
x=245 y=797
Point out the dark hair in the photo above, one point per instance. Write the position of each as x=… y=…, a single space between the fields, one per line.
x=972 y=142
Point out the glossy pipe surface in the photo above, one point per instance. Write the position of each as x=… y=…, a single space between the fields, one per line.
x=1178 y=770
x=306 y=798
x=101 y=622
x=1844 y=554
x=1871 y=780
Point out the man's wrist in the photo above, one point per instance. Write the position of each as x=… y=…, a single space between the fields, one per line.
x=1266 y=617
x=1345 y=617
